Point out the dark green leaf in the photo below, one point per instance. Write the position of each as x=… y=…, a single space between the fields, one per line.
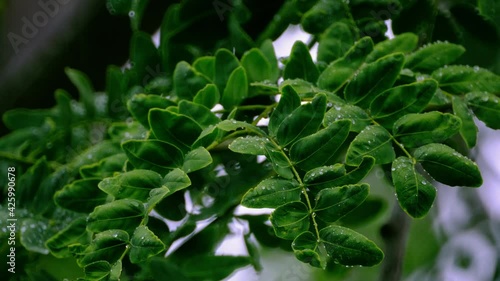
x=486 y=107
x=135 y=184
x=370 y=210
x=187 y=81
x=225 y=64
x=199 y=113
x=267 y=50
x=249 y=145
x=206 y=66
x=319 y=149
x=272 y=193
x=290 y=220
x=233 y=125
x=300 y=64
x=125 y=214
x=207 y=137
x=339 y=72
x=104 y=168
x=140 y=104
x=399 y=101
x=196 y=159
x=155 y=155
x=489 y=9
x=34 y=233
x=81 y=195
x=144 y=244
x=20 y=118
x=236 y=89
x=306 y=249
x=341 y=111
x=373 y=79
x=163 y=269
x=97 y=270
x=253 y=251
x=331 y=176
x=373 y=141
x=446 y=165
x=119 y=7
x=279 y=161
x=334 y=203
x=107 y=246
x=176 y=180
x=256 y=66
x=217 y=267
x=468 y=130
x=85 y=89
x=208 y=96
x=415 y=194
x=323 y=14
x=415 y=130
x=350 y=248
x=335 y=41
x=459 y=79
x=433 y=56
x=289 y=101
x=303 y=121
x=403 y=43
x=75 y=233
x=177 y=129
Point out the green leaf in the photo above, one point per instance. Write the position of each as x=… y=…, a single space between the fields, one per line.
x=373 y=141
x=446 y=165
x=140 y=104
x=144 y=55
x=187 y=81
x=144 y=244
x=155 y=155
x=433 y=56
x=249 y=145
x=206 y=66
x=335 y=41
x=74 y=233
x=399 y=101
x=97 y=270
x=135 y=184
x=303 y=121
x=272 y=193
x=176 y=129
x=30 y=181
x=319 y=149
x=331 y=176
x=125 y=214
x=176 y=180
x=341 y=111
x=300 y=64
x=253 y=251
x=372 y=79
x=156 y=196
x=402 y=43
x=119 y=7
x=323 y=14
x=306 y=90
x=459 y=79
x=468 y=130
x=196 y=159
x=290 y=220
x=334 y=203
x=81 y=195
x=217 y=267
x=225 y=64
x=107 y=246
x=370 y=210
x=306 y=249
x=350 y=248
x=279 y=160
x=236 y=89
x=20 y=118
x=339 y=72
x=489 y=10
x=85 y=89
x=415 y=130
x=207 y=137
x=163 y=269
x=267 y=50
x=233 y=125
x=415 y=194
x=34 y=233
x=256 y=66
x=199 y=113
x=289 y=101
x=486 y=107
x=104 y=168
x=208 y=96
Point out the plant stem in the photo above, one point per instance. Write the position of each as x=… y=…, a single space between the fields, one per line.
x=394 y=233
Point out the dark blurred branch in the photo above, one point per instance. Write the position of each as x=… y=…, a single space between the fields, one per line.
x=394 y=233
